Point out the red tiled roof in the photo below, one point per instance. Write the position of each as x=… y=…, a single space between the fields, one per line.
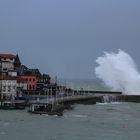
x=7 y=56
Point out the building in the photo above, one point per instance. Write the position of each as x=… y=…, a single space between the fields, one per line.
x=43 y=81
x=30 y=75
x=30 y=80
x=23 y=70
x=8 y=81
x=17 y=79
x=8 y=62
x=21 y=86
x=8 y=87
x=5 y=66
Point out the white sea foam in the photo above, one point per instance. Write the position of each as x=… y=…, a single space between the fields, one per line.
x=119 y=72
x=98 y=103
x=79 y=116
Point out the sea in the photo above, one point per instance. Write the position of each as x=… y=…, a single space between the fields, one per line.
x=103 y=121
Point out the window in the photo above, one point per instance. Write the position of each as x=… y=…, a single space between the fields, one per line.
x=14 y=87
x=4 y=69
x=9 y=88
x=30 y=79
x=33 y=79
x=4 y=88
x=30 y=87
x=33 y=86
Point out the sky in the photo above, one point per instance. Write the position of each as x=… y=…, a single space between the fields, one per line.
x=64 y=37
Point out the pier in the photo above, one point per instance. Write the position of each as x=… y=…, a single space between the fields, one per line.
x=55 y=105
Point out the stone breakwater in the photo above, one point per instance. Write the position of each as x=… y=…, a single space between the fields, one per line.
x=58 y=107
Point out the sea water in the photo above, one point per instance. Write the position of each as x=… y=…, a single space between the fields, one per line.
x=115 y=121
x=109 y=121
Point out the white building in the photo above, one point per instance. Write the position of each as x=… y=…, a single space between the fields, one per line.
x=9 y=65
x=9 y=62
x=21 y=85
x=8 y=87
x=6 y=66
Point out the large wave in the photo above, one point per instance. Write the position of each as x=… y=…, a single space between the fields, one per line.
x=119 y=72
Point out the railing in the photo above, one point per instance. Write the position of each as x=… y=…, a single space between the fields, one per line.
x=60 y=99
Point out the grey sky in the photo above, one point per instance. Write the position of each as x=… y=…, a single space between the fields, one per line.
x=64 y=37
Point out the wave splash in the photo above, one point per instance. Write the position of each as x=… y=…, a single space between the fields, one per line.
x=119 y=72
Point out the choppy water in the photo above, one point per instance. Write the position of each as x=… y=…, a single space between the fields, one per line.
x=118 y=121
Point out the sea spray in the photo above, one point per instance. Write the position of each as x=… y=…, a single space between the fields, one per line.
x=119 y=72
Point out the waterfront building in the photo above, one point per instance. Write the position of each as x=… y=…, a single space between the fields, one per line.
x=43 y=81
x=5 y=66
x=20 y=79
x=30 y=75
x=8 y=81
x=8 y=62
x=8 y=87
x=30 y=80
x=35 y=80
x=21 y=86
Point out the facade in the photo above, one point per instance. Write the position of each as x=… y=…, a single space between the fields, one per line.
x=43 y=81
x=21 y=85
x=32 y=76
x=8 y=62
x=8 y=87
x=5 y=66
x=31 y=81
x=17 y=79
x=8 y=80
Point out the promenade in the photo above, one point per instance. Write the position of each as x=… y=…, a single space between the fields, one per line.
x=55 y=105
